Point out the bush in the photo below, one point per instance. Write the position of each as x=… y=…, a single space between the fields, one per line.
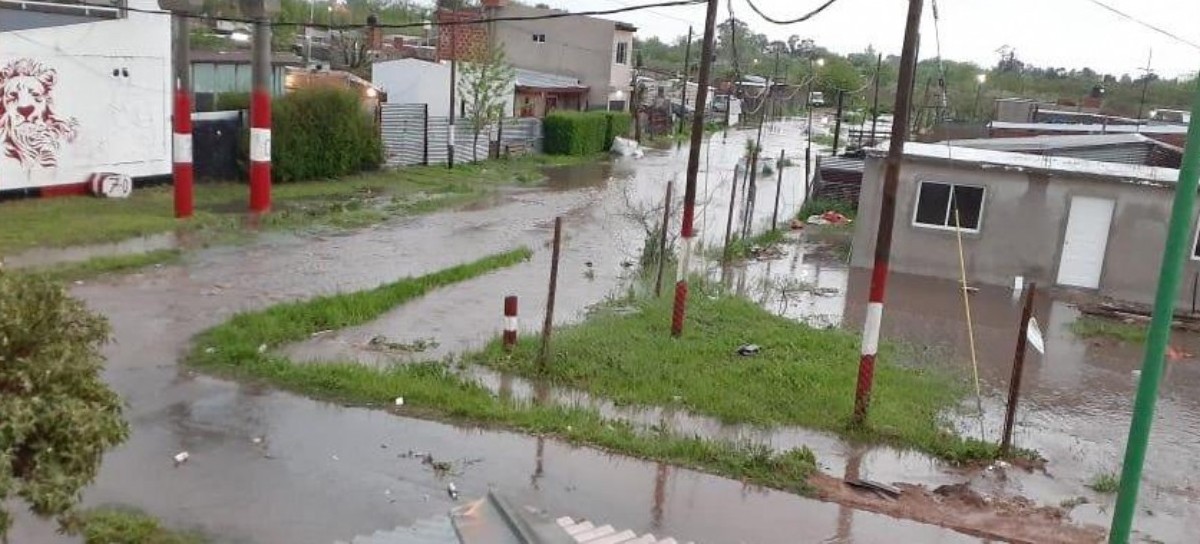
x=231 y=101
x=57 y=416
x=322 y=133
x=575 y=133
x=618 y=123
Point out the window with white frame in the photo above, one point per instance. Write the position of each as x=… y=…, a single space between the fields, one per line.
x=948 y=205
x=539 y=38
x=622 y=53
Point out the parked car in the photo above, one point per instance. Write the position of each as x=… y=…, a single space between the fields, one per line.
x=817 y=99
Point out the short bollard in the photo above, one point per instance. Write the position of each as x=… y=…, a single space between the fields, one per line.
x=510 y=322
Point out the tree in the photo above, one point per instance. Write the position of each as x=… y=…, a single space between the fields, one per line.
x=486 y=85
x=57 y=416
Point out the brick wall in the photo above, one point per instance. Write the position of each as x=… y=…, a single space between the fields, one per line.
x=461 y=41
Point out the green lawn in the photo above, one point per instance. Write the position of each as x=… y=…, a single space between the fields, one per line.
x=109 y=525
x=343 y=203
x=803 y=376
x=242 y=348
x=1090 y=326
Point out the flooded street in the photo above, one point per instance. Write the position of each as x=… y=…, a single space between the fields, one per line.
x=268 y=467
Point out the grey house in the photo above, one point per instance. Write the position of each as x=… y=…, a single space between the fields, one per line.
x=1064 y=221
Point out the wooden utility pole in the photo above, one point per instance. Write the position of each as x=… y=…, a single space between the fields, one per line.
x=687 y=228
x=1014 y=383
x=887 y=214
x=837 y=123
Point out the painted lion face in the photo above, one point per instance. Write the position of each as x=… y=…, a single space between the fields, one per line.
x=30 y=130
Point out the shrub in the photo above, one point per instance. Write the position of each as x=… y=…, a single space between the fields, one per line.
x=617 y=123
x=57 y=416
x=322 y=133
x=231 y=101
x=575 y=133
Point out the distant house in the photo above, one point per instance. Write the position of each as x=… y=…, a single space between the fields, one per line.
x=218 y=72
x=88 y=86
x=538 y=93
x=597 y=52
x=415 y=81
x=1097 y=226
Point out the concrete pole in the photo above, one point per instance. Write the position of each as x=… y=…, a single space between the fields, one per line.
x=687 y=229
x=687 y=61
x=181 y=138
x=887 y=214
x=260 y=118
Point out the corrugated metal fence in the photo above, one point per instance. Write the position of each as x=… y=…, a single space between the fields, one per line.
x=412 y=137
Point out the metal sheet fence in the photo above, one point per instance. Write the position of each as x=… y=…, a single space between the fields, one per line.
x=412 y=137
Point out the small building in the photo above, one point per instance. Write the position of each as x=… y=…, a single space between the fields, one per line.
x=597 y=52
x=838 y=178
x=86 y=90
x=370 y=95
x=538 y=93
x=219 y=72
x=416 y=81
x=1062 y=221
x=1127 y=148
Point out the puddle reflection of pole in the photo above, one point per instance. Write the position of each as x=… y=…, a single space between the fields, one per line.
x=538 y=470
x=660 y=496
x=845 y=518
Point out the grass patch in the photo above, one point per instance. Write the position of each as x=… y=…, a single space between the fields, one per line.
x=1105 y=482
x=109 y=525
x=349 y=202
x=114 y=264
x=741 y=248
x=818 y=206
x=1090 y=326
x=802 y=376
x=238 y=349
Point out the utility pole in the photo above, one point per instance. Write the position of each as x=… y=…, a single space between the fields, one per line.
x=260 y=103
x=752 y=189
x=887 y=214
x=687 y=229
x=837 y=123
x=453 y=94
x=687 y=62
x=875 y=102
x=181 y=142
x=1177 y=248
x=1145 y=87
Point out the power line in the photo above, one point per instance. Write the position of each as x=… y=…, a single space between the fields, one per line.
x=421 y=24
x=799 y=19
x=659 y=13
x=1146 y=24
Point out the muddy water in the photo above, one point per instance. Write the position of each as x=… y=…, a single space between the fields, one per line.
x=272 y=467
x=1075 y=404
x=51 y=256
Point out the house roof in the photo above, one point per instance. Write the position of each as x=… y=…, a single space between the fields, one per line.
x=1090 y=128
x=987 y=159
x=626 y=27
x=530 y=79
x=1053 y=142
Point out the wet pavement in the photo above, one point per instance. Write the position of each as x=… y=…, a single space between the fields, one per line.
x=267 y=466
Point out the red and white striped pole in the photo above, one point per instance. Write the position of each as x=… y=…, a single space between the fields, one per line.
x=510 y=322
x=260 y=119
x=181 y=138
x=887 y=215
x=687 y=229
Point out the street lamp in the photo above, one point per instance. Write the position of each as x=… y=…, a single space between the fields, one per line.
x=980 y=79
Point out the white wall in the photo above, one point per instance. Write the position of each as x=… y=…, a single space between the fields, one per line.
x=122 y=122
x=414 y=81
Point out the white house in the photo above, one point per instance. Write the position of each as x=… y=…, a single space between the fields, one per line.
x=415 y=81
x=86 y=90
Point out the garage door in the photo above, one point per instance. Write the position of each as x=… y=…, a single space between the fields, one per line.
x=1085 y=242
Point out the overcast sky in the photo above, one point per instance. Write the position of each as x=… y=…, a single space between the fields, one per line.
x=1061 y=33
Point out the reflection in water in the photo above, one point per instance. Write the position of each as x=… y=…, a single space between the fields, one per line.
x=662 y=471
x=539 y=457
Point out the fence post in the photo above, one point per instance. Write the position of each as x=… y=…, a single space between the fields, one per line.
x=729 y=220
x=425 y=138
x=662 y=241
x=510 y=322
x=778 y=190
x=1014 y=383
x=548 y=325
x=499 y=136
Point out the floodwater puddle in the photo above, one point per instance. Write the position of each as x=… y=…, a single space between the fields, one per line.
x=49 y=256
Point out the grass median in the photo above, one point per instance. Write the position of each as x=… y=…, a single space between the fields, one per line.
x=354 y=201
x=241 y=348
x=801 y=376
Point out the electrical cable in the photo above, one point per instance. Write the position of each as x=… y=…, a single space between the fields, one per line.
x=1146 y=24
x=799 y=19
x=422 y=24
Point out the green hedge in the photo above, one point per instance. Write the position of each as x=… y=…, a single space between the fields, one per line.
x=583 y=133
x=321 y=133
x=231 y=101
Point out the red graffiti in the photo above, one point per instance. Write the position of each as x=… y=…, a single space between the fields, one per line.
x=30 y=130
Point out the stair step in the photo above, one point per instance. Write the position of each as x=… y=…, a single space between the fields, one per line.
x=579 y=528
x=593 y=534
x=617 y=538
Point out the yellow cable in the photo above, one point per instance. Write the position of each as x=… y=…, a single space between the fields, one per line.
x=962 y=266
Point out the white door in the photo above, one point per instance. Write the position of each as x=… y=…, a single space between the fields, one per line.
x=1085 y=241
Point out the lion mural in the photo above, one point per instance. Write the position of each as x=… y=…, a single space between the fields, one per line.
x=30 y=130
